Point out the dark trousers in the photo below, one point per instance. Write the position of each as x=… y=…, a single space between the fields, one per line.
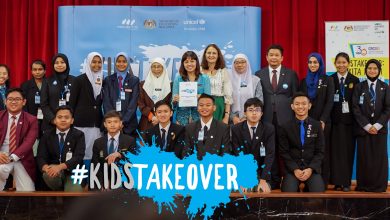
x=313 y=184
x=277 y=165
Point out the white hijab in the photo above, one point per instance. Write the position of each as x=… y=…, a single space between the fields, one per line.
x=94 y=76
x=157 y=88
x=241 y=94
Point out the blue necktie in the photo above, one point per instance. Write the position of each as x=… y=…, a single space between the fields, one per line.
x=372 y=93
x=112 y=147
x=302 y=132
x=62 y=143
x=342 y=86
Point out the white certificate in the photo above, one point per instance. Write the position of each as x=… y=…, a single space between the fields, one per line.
x=188 y=94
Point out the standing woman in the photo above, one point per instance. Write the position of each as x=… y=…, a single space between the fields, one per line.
x=320 y=89
x=86 y=101
x=55 y=90
x=343 y=140
x=120 y=93
x=371 y=107
x=213 y=64
x=189 y=72
x=32 y=90
x=245 y=86
x=156 y=87
x=4 y=84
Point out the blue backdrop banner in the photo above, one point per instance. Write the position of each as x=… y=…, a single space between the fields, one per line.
x=149 y=32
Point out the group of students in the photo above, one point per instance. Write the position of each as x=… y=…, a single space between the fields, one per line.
x=302 y=131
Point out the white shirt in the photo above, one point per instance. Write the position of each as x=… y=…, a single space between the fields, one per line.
x=339 y=76
x=116 y=142
x=277 y=73
x=208 y=124
x=250 y=129
x=5 y=146
x=166 y=130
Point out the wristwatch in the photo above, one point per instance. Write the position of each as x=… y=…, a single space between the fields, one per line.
x=11 y=159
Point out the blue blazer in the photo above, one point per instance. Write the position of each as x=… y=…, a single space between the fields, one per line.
x=111 y=95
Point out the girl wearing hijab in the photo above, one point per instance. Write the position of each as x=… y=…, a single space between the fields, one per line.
x=156 y=87
x=245 y=85
x=343 y=140
x=213 y=65
x=56 y=89
x=86 y=101
x=4 y=84
x=189 y=72
x=371 y=107
x=120 y=93
x=320 y=88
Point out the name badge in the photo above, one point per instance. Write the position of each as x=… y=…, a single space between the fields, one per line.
x=39 y=114
x=201 y=135
x=68 y=155
x=262 y=150
x=158 y=90
x=128 y=90
x=67 y=96
x=361 y=100
x=118 y=105
x=336 y=98
x=37 y=99
x=123 y=95
x=345 y=107
x=61 y=102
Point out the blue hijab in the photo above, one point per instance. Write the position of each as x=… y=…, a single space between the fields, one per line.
x=312 y=78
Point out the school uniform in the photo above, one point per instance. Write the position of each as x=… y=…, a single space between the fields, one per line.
x=343 y=140
x=260 y=143
x=371 y=107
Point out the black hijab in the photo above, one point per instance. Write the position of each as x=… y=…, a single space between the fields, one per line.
x=62 y=77
x=378 y=64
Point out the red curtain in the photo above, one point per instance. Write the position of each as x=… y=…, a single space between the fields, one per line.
x=29 y=27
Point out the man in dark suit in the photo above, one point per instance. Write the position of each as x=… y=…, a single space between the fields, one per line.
x=120 y=93
x=110 y=147
x=18 y=132
x=257 y=138
x=207 y=135
x=302 y=148
x=60 y=150
x=279 y=84
x=167 y=135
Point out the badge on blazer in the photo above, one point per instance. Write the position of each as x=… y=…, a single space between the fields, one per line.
x=173 y=136
x=55 y=82
x=128 y=90
x=211 y=136
x=285 y=86
x=350 y=85
x=125 y=84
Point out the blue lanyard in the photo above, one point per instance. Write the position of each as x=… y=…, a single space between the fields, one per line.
x=64 y=90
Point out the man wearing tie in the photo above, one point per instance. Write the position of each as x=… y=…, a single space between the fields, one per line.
x=18 y=132
x=302 y=148
x=168 y=136
x=279 y=84
x=110 y=147
x=255 y=137
x=207 y=135
x=60 y=150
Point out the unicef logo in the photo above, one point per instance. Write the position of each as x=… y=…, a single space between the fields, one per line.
x=202 y=21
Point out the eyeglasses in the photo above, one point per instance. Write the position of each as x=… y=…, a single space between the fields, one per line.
x=14 y=99
x=254 y=110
